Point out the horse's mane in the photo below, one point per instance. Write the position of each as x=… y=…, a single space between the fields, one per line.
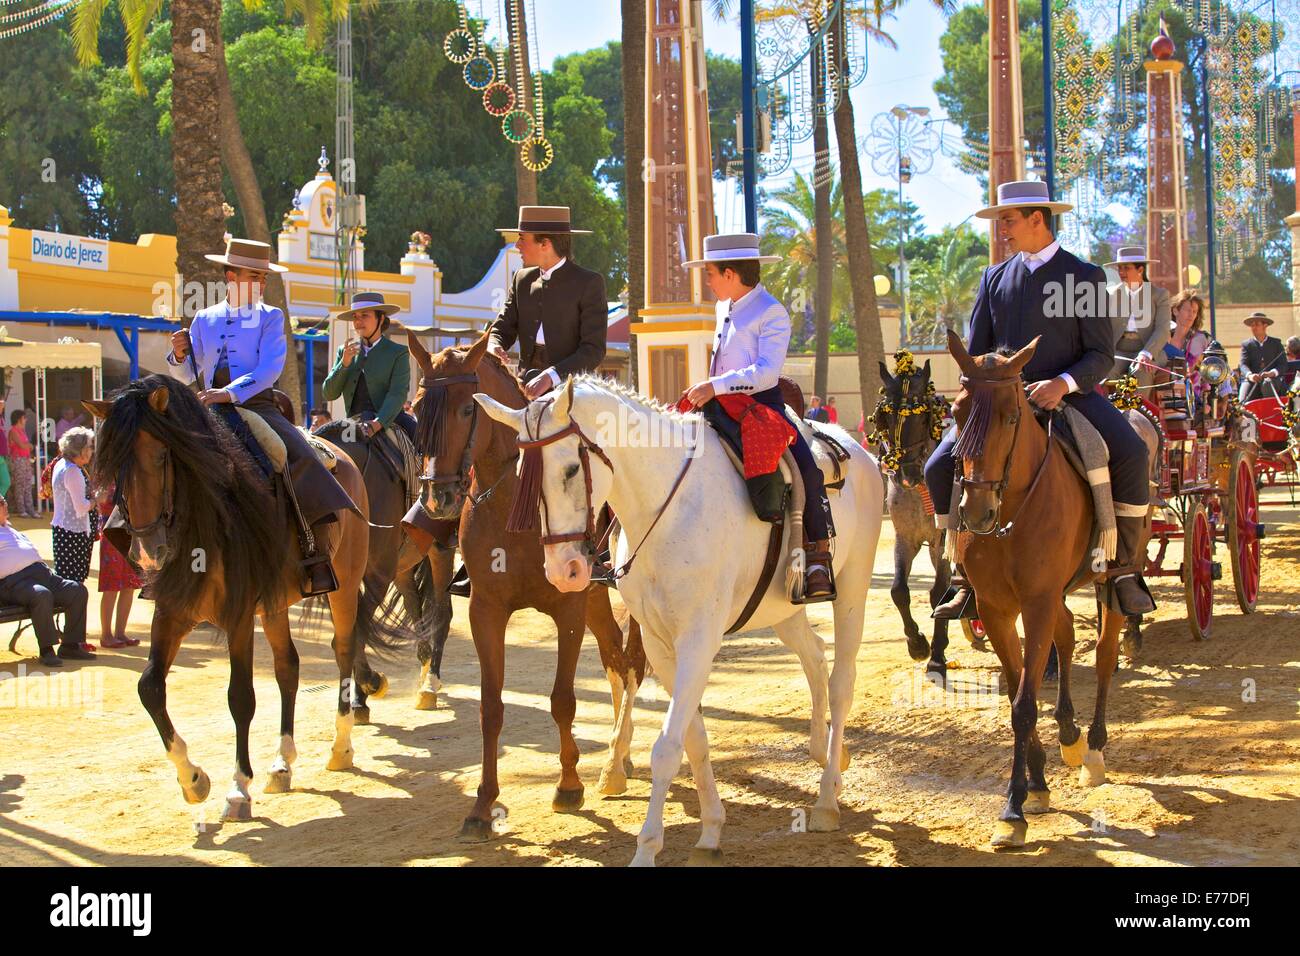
x=643 y=402
x=431 y=403
x=222 y=503
x=972 y=435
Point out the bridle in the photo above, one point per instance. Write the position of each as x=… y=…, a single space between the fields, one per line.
x=588 y=536
x=166 y=516
x=461 y=479
x=1000 y=485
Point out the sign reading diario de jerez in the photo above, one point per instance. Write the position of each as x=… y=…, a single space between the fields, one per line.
x=56 y=248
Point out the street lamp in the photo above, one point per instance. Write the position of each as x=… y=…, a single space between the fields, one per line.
x=901 y=113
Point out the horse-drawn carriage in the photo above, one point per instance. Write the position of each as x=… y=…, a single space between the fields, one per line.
x=1278 y=465
x=1206 y=484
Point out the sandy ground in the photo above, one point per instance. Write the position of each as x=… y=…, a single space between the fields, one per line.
x=1204 y=759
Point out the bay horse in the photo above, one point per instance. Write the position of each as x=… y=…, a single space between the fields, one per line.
x=699 y=550
x=1027 y=519
x=903 y=427
x=217 y=546
x=420 y=579
x=470 y=474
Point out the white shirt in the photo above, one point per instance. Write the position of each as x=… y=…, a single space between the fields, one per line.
x=1032 y=261
x=16 y=551
x=546 y=275
x=752 y=336
x=71 y=507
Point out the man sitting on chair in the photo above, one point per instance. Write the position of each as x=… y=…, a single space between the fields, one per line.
x=27 y=581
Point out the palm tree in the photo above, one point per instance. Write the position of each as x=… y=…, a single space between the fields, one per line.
x=942 y=293
x=634 y=80
x=808 y=250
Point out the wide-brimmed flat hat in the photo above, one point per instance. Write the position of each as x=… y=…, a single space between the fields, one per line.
x=545 y=219
x=1256 y=317
x=1021 y=195
x=730 y=247
x=361 y=301
x=1131 y=255
x=247 y=254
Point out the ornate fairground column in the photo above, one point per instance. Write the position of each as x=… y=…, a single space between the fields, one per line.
x=1006 y=109
x=1166 y=179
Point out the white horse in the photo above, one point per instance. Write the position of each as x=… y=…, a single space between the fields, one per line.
x=697 y=561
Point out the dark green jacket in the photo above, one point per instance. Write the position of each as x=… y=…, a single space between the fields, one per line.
x=388 y=378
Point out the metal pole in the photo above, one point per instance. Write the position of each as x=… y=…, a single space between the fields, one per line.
x=902 y=253
x=309 y=355
x=1209 y=177
x=747 y=83
x=1049 y=130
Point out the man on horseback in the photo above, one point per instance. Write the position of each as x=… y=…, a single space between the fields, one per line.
x=238 y=347
x=1043 y=290
x=372 y=373
x=753 y=334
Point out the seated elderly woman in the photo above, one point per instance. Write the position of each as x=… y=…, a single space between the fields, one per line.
x=25 y=580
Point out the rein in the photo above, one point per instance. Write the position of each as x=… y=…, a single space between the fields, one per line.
x=166 y=516
x=532 y=467
x=975 y=447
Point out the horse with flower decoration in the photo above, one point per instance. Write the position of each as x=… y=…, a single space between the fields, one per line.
x=908 y=421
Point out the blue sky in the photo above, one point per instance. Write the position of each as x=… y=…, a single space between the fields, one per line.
x=904 y=76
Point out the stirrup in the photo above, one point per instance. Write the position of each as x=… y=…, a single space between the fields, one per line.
x=318 y=576
x=818 y=559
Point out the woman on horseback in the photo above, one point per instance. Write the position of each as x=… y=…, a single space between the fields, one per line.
x=371 y=372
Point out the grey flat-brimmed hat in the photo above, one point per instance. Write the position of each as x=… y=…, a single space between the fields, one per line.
x=1134 y=255
x=1020 y=195
x=730 y=247
x=362 y=301
x=1256 y=317
x=545 y=219
x=247 y=254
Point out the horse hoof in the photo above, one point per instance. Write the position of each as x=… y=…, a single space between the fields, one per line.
x=474 y=830
x=1131 y=645
x=844 y=758
x=361 y=716
x=566 y=801
x=198 y=789
x=1009 y=834
x=280 y=781
x=1073 y=753
x=379 y=692
x=627 y=766
x=918 y=648
x=340 y=760
x=1093 y=771
x=612 y=784
x=1037 y=801
x=705 y=856
x=239 y=809
x=426 y=700
x=824 y=820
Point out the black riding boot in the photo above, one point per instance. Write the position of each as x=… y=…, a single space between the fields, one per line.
x=317 y=572
x=959 y=602
x=1130 y=590
x=459 y=585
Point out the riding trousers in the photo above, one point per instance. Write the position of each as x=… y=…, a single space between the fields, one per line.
x=1128 y=455
x=817 y=509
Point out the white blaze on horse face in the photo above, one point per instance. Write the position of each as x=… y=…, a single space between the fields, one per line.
x=564 y=486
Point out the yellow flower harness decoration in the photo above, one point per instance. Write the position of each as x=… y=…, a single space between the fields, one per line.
x=928 y=403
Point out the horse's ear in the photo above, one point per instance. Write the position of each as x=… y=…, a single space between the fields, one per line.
x=158 y=399
x=1021 y=358
x=925 y=370
x=421 y=354
x=99 y=409
x=477 y=351
x=514 y=417
x=885 y=377
x=564 y=403
x=957 y=349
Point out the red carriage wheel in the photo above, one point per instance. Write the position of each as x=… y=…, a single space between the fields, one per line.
x=1243 y=531
x=973 y=628
x=1198 y=570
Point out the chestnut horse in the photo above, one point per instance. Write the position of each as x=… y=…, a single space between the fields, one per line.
x=1026 y=518
x=507 y=570
x=217 y=546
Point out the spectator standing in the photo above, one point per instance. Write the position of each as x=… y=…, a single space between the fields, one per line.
x=21 y=472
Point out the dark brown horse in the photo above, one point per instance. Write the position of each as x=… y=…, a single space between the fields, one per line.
x=218 y=546
x=506 y=569
x=1027 y=521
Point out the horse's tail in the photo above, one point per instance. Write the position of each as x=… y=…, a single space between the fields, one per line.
x=383 y=625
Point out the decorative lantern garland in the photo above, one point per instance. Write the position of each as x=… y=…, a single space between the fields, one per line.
x=502 y=100
x=928 y=403
x=33 y=17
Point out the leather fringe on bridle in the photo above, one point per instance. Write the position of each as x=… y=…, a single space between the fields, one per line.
x=429 y=433
x=970 y=442
x=526 y=507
